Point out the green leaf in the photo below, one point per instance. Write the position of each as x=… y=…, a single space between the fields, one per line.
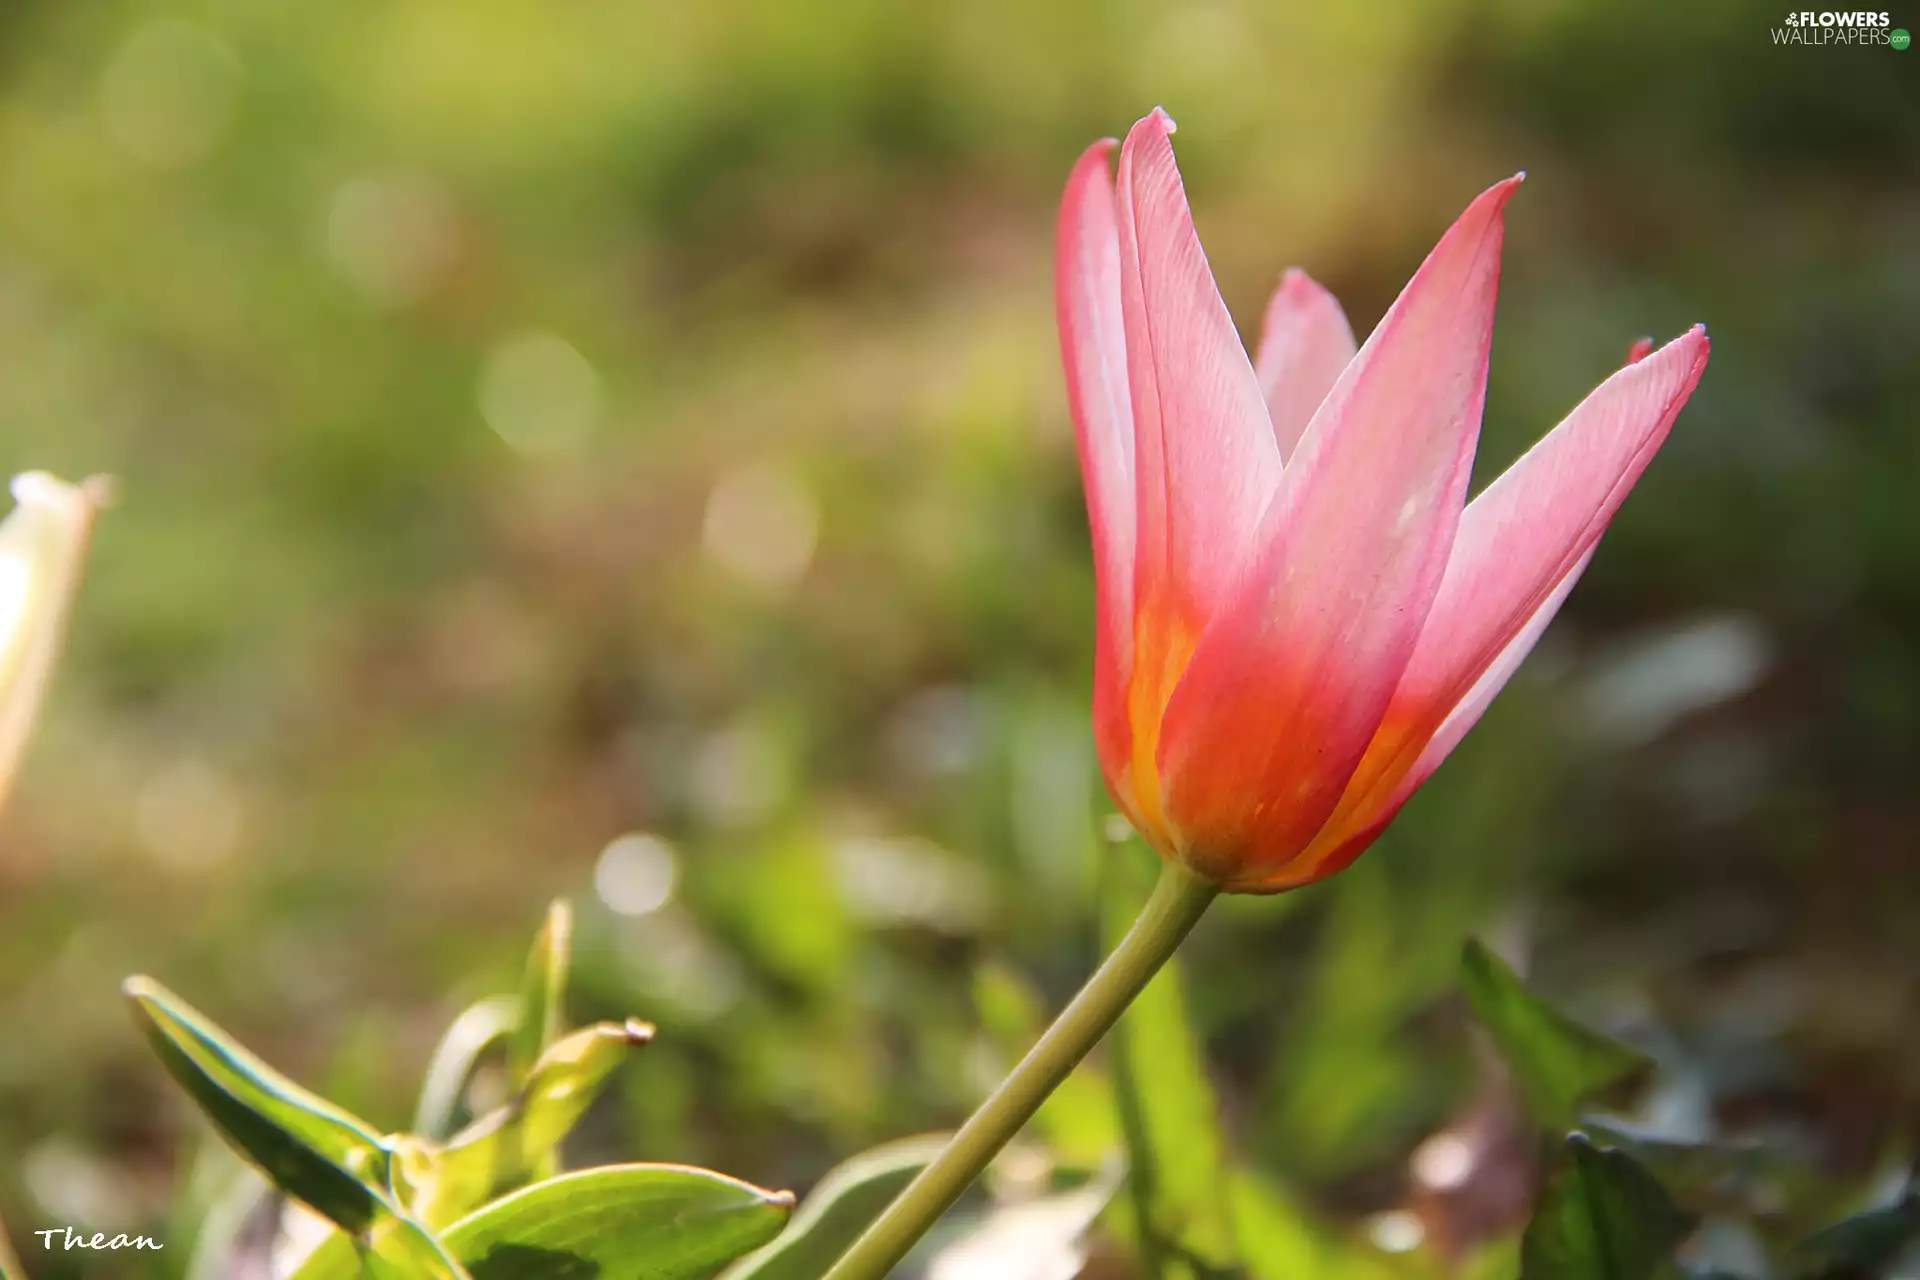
x=1602 y=1217
x=616 y=1222
x=1683 y=1166
x=1860 y=1247
x=543 y=996
x=398 y=1248
x=508 y=1146
x=543 y=992
x=1557 y=1062
x=480 y=1027
x=1168 y=1112
x=306 y=1146
x=838 y=1209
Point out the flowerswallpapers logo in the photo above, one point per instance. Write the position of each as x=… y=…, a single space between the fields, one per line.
x=1854 y=27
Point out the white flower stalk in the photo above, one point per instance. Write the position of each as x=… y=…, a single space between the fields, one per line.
x=43 y=542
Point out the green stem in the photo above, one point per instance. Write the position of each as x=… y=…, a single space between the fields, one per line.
x=1178 y=902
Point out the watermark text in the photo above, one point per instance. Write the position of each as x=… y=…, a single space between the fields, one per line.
x=1840 y=27
x=71 y=1239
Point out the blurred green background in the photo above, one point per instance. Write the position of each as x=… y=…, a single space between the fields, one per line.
x=618 y=450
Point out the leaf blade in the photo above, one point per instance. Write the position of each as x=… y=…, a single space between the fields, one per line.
x=514 y=1143
x=1602 y=1217
x=1557 y=1062
x=614 y=1222
x=542 y=992
x=309 y=1148
x=478 y=1028
x=1865 y=1244
x=838 y=1209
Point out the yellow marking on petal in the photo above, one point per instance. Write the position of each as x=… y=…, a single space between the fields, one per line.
x=1161 y=653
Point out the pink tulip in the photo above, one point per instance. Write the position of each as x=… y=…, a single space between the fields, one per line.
x=1299 y=613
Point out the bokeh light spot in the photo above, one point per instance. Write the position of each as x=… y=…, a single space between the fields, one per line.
x=762 y=526
x=1396 y=1231
x=539 y=394
x=635 y=875
x=168 y=94
x=740 y=774
x=188 y=815
x=393 y=236
x=1443 y=1162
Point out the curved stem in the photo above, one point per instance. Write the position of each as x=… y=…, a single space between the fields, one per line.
x=1178 y=902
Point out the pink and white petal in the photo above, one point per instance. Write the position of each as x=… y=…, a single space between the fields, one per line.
x=1520 y=538
x=1305 y=341
x=1522 y=545
x=1467 y=712
x=1289 y=682
x=1206 y=464
x=1093 y=348
x=1355 y=827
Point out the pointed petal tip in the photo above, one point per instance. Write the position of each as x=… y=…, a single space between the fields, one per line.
x=1503 y=190
x=1694 y=341
x=1156 y=121
x=1151 y=130
x=1698 y=336
x=1295 y=283
x=1096 y=152
x=1486 y=212
x=37 y=486
x=44 y=489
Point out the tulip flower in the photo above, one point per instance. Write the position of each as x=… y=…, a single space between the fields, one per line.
x=42 y=543
x=1299 y=613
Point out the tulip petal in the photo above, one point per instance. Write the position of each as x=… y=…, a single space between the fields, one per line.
x=1205 y=460
x=1520 y=539
x=1289 y=682
x=1480 y=695
x=1093 y=347
x=1341 y=841
x=1522 y=545
x=1207 y=463
x=1305 y=342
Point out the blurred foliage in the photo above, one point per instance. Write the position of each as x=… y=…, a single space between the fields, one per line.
x=619 y=451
